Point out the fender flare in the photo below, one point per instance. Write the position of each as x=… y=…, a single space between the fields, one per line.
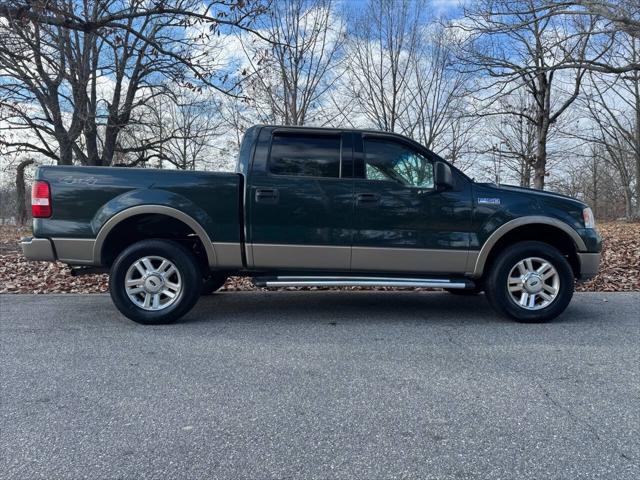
x=519 y=222
x=154 y=209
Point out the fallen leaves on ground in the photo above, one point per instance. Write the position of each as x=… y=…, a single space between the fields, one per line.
x=619 y=270
x=620 y=264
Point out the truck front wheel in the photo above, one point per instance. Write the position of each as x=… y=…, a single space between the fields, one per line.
x=213 y=283
x=530 y=282
x=155 y=281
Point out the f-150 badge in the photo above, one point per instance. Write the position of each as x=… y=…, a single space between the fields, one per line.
x=71 y=180
x=489 y=201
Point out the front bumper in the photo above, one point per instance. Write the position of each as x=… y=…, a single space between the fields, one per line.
x=38 y=249
x=589 y=264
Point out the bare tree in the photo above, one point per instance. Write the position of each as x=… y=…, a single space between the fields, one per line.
x=622 y=14
x=34 y=98
x=436 y=113
x=461 y=145
x=238 y=116
x=513 y=137
x=194 y=124
x=612 y=18
x=74 y=72
x=288 y=75
x=401 y=77
x=612 y=107
x=383 y=41
x=21 y=200
x=590 y=177
x=527 y=44
x=111 y=15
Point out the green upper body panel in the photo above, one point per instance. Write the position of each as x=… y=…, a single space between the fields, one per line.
x=308 y=210
x=84 y=198
x=495 y=205
x=408 y=216
x=325 y=211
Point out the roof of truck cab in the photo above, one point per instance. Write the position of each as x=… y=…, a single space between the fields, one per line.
x=331 y=129
x=337 y=129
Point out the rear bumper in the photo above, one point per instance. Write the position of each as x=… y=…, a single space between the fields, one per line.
x=38 y=249
x=589 y=264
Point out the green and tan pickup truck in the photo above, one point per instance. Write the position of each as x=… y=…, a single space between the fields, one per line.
x=313 y=207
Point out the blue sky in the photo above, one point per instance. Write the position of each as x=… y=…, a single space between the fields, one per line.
x=448 y=8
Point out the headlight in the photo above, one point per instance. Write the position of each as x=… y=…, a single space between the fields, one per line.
x=589 y=219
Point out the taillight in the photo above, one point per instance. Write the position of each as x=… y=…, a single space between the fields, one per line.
x=40 y=199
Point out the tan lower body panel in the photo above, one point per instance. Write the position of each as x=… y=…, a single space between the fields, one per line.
x=228 y=255
x=373 y=259
x=408 y=260
x=80 y=251
x=75 y=251
x=38 y=249
x=322 y=257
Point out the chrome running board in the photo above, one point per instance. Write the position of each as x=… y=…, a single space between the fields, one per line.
x=338 y=281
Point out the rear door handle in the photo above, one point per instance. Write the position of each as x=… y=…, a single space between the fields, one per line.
x=367 y=198
x=267 y=195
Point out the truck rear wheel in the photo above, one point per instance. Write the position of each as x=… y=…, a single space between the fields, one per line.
x=530 y=282
x=155 y=281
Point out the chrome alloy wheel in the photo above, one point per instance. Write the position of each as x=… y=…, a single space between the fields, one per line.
x=153 y=283
x=533 y=283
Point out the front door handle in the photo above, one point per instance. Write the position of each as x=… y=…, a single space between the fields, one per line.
x=367 y=198
x=267 y=195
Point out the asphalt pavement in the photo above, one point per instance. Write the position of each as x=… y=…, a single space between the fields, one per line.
x=319 y=385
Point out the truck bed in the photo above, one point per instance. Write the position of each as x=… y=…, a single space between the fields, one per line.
x=84 y=198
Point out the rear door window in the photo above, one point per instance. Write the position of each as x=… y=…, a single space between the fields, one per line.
x=305 y=155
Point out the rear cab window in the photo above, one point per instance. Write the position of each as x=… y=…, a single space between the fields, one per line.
x=305 y=155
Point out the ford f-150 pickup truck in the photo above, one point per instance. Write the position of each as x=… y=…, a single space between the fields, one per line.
x=313 y=207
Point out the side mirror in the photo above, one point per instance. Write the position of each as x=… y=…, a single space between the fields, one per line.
x=443 y=176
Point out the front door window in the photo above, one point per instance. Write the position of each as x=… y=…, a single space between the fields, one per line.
x=391 y=161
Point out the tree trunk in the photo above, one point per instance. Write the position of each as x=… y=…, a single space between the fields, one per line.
x=21 y=200
x=540 y=166
x=91 y=139
x=525 y=174
x=110 y=143
x=66 y=151
x=594 y=186
x=628 y=205
x=636 y=137
x=637 y=151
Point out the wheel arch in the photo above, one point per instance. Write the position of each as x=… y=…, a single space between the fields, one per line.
x=141 y=210
x=548 y=230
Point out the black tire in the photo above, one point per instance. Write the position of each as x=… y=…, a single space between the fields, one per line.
x=496 y=284
x=185 y=264
x=213 y=283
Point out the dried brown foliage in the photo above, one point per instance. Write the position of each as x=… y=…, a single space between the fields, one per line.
x=620 y=266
